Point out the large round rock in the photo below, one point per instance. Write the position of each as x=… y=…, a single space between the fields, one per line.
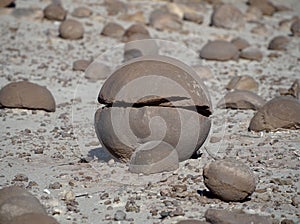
x=229 y=179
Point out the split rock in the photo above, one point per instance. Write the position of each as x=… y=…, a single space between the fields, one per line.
x=71 y=29
x=295 y=28
x=241 y=99
x=279 y=43
x=219 y=50
x=251 y=53
x=265 y=6
x=97 y=71
x=82 y=12
x=280 y=112
x=244 y=82
x=229 y=179
x=218 y=216
x=240 y=43
x=162 y=20
x=154 y=157
x=227 y=16
x=114 y=30
x=33 y=218
x=26 y=95
x=55 y=12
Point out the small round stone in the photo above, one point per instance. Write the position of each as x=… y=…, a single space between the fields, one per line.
x=240 y=43
x=295 y=28
x=114 y=30
x=251 y=53
x=55 y=12
x=229 y=179
x=162 y=20
x=97 y=71
x=119 y=215
x=81 y=65
x=219 y=50
x=82 y=12
x=266 y=7
x=136 y=32
x=279 y=43
x=71 y=29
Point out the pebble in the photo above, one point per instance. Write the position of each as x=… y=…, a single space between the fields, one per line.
x=112 y=29
x=219 y=50
x=21 y=177
x=115 y=7
x=251 y=53
x=229 y=179
x=295 y=28
x=82 y=12
x=55 y=12
x=193 y=17
x=136 y=32
x=97 y=71
x=240 y=43
x=162 y=20
x=71 y=29
x=253 y=14
x=33 y=95
x=55 y=185
x=279 y=43
x=296 y=200
x=241 y=99
x=227 y=16
x=273 y=115
x=119 y=215
x=218 y=216
x=81 y=65
x=244 y=82
x=265 y=6
x=6 y=3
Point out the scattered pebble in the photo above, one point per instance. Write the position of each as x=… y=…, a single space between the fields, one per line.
x=229 y=179
x=279 y=43
x=119 y=215
x=81 y=65
x=219 y=50
x=55 y=12
x=55 y=185
x=244 y=82
x=227 y=16
x=273 y=115
x=82 y=12
x=251 y=53
x=162 y=20
x=33 y=95
x=21 y=177
x=71 y=29
x=112 y=29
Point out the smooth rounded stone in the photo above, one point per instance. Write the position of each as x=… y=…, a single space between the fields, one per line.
x=115 y=7
x=204 y=72
x=193 y=17
x=81 y=65
x=261 y=29
x=5 y=3
x=227 y=16
x=71 y=29
x=241 y=99
x=279 y=43
x=55 y=12
x=229 y=179
x=191 y=221
x=219 y=50
x=82 y=12
x=218 y=216
x=33 y=218
x=145 y=101
x=119 y=215
x=154 y=157
x=279 y=113
x=136 y=32
x=138 y=48
x=240 y=43
x=112 y=29
x=97 y=71
x=19 y=205
x=295 y=28
x=265 y=6
x=244 y=82
x=26 y=95
x=162 y=20
x=251 y=53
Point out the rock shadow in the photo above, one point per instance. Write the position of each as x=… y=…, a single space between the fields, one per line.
x=101 y=154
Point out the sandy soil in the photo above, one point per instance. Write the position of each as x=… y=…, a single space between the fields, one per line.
x=62 y=146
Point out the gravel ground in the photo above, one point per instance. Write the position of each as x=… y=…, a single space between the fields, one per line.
x=57 y=155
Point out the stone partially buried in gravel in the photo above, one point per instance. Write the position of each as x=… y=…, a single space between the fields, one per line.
x=240 y=43
x=295 y=28
x=219 y=50
x=162 y=20
x=114 y=7
x=81 y=65
x=265 y=6
x=26 y=95
x=218 y=216
x=82 y=12
x=227 y=16
x=279 y=43
x=279 y=113
x=241 y=99
x=229 y=179
x=97 y=71
x=136 y=32
x=71 y=29
x=154 y=157
x=33 y=218
x=112 y=29
x=244 y=82
x=55 y=12
x=251 y=53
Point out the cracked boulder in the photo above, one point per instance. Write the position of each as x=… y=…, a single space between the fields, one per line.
x=279 y=113
x=229 y=179
x=153 y=99
x=26 y=95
